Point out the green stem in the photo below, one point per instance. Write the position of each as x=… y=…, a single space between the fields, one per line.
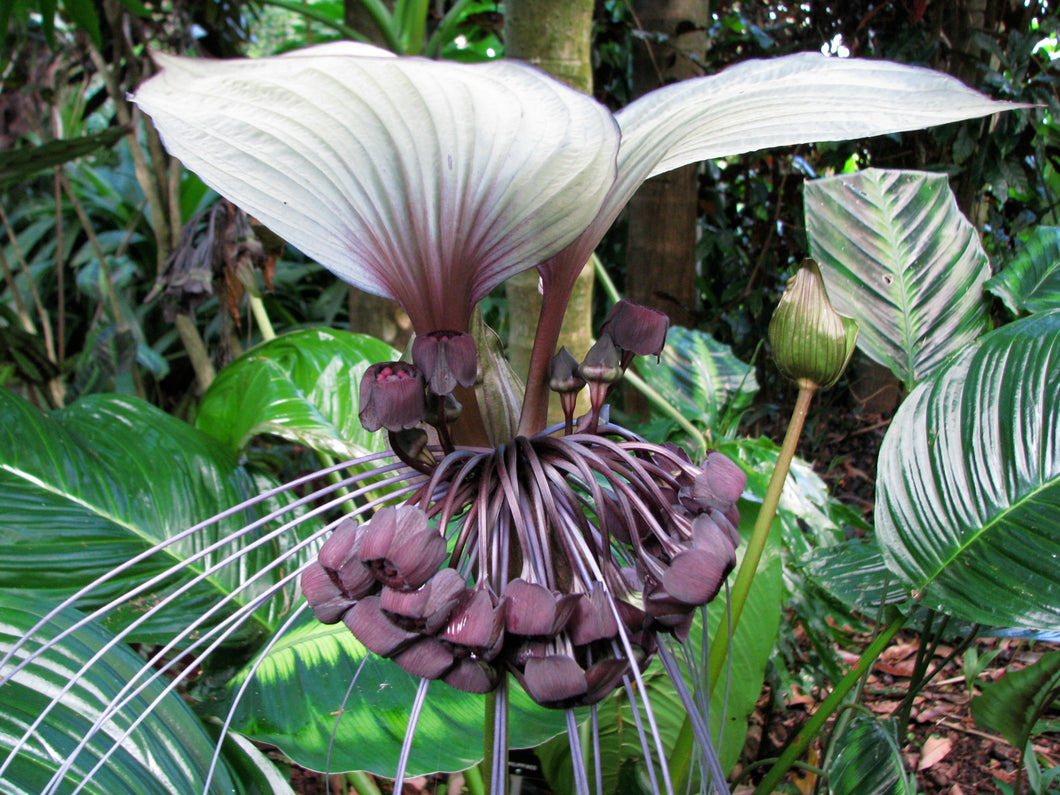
x=257 y=308
x=719 y=648
x=808 y=733
x=445 y=30
x=473 y=780
x=363 y=783
x=681 y=757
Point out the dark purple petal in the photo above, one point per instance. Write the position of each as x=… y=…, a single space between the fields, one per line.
x=477 y=624
x=695 y=575
x=472 y=676
x=427 y=658
x=370 y=625
x=337 y=548
x=720 y=484
x=326 y=599
x=636 y=328
x=432 y=603
x=592 y=619
x=555 y=680
x=602 y=677
x=401 y=547
x=532 y=609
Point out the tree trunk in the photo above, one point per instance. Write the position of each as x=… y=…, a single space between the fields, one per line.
x=555 y=36
x=661 y=242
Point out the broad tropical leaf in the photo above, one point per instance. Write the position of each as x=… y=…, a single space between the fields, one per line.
x=968 y=498
x=868 y=760
x=89 y=487
x=854 y=572
x=168 y=749
x=701 y=378
x=1030 y=281
x=302 y=387
x=1012 y=705
x=308 y=698
x=898 y=257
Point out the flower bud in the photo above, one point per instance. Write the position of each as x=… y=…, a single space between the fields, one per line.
x=638 y=329
x=812 y=343
x=446 y=358
x=391 y=397
x=563 y=373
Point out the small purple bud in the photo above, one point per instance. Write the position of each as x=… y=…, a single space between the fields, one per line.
x=401 y=547
x=563 y=373
x=391 y=397
x=446 y=358
x=602 y=364
x=638 y=329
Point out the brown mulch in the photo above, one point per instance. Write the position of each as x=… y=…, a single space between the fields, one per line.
x=949 y=753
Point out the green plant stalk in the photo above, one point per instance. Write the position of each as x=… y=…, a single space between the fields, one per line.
x=196 y=348
x=719 y=649
x=473 y=781
x=813 y=726
x=410 y=17
x=363 y=783
x=681 y=756
x=444 y=31
x=257 y=307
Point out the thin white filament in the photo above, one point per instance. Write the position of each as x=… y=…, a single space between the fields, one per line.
x=338 y=720
x=262 y=654
x=699 y=726
x=235 y=620
x=581 y=780
x=410 y=733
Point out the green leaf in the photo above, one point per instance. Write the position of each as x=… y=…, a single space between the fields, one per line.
x=298 y=702
x=1012 y=705
x=854 y=572
x=26 y=161
x=85 y=17
x=91 y=486
x=868 y=760
x=302 y=387
x=701 y=378
x=169 y=752
x=898 y=257
x=1030 y=281
x=752 y=646
x=968 y=494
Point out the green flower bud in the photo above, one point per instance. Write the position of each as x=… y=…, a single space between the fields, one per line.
x=812 y=343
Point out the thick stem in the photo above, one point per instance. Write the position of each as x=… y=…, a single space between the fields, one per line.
x=535 y=400
x=680 y=759
x=757 y=543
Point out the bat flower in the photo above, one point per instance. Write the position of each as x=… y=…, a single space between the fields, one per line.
x=431 y=182
x=567 y=557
